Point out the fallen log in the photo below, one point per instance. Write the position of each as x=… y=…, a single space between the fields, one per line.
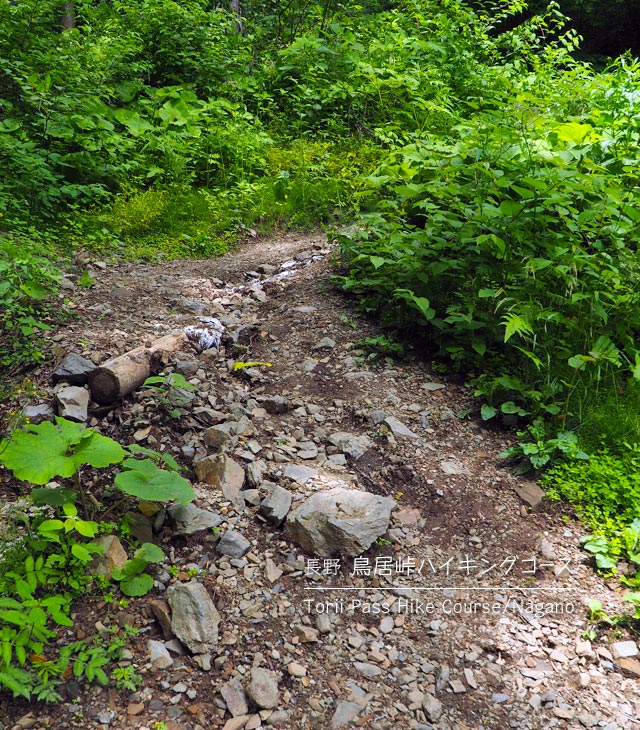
x=123 y=374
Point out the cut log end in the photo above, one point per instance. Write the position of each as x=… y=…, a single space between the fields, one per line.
x=105 y=386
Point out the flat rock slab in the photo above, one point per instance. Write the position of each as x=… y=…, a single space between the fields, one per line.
x=233 y=544
x=223 y=472
x=346 y=712
x=263 y=688
x=398 y=429
x=530 y=493
x=299 y=474
x=189 y=519
x=453 y=467
x=339 y=522
x=73 y=403
x=275 y=507
x=351 y=444
x=194 y=618
x=74 y=369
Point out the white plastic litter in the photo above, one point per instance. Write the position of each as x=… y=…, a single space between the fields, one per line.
x=208 y=337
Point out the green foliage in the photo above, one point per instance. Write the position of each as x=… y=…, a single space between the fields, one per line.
x=36 y=454
x=43 y=567
x=535 y=450
x=39 y=453
x=513 y=247
x=605 y=490
x=132 y=578
x=27 y=280
x=381 y=345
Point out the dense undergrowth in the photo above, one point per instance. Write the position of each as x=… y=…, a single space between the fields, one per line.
x=493 y=176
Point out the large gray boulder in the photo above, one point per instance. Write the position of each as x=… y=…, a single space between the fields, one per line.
x=194 y=618
x=339 y=522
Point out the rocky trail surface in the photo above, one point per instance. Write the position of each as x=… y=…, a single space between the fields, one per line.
x=357 y=554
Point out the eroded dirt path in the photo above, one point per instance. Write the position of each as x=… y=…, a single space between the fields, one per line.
x=487 y=632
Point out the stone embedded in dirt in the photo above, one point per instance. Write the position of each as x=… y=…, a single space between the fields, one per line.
x=351 y=444
x=139 y=526
x=432 y=707
x=73 y=403
x=530 y=493
x=339 y=522
x=161 y=611
x=158 y=654
x=629 y=664
x=255 y=472
x=346 y=712
x=271 y=571
x=547 y=549
x=220 y=435
x=323 y=623
x=326 y=343
x=276 y=404
x=39 y=413
x=296 y=670
x=235 y=698
x=252 y=497
x=263 y=688
x=233 y=544
x=398 y=429
x=189 y=519
x=453 y=467
x=236 y=723
x=298 y=473
x=276 y=505
x=113 y=556
x=308 y=450
x=187 y=368
x=222 y=471
x=407 y=516
x=194 y=618
x=305 y=634
x=377 y=416
x=624 y=649
x=74 y=369
x=367 y=670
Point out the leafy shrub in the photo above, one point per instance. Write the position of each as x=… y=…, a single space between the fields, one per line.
x=605 y=489
x=515 y=247
x=27 y=280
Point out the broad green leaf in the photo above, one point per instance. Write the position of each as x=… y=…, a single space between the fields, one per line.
x=34 y=289
x=81 y=552
x=604 y=562
x=139 y=585
x=47 y=450
x=143 y=479
x=155 y=455
x=487 y=412
x=377 y=261
x=576 y=133
x=53 y=497
x=511 y=207
x=86 y=528
x=150 y=552
x=48 y=525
